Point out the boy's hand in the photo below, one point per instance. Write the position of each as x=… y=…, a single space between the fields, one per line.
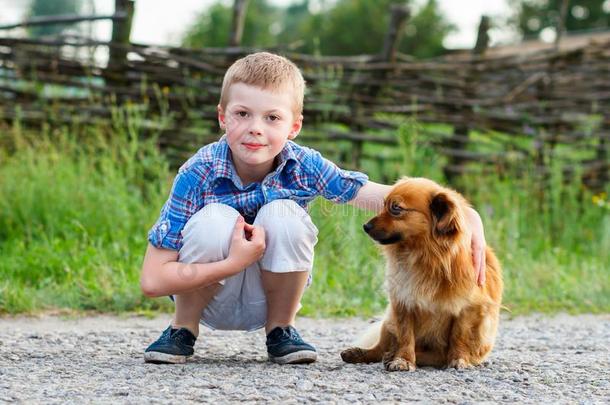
x=478 y=244
x=247 y=244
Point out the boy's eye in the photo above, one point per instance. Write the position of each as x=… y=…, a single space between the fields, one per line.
x=273 y=118
x=242 y=113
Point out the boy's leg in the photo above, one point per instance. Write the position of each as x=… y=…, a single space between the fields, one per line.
x=177 y=341
x=190 y=306
x=285 y=272
x=199 y=246
x=283 y=292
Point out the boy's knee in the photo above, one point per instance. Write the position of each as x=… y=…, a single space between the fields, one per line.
x=286 y=219
x=209 y=232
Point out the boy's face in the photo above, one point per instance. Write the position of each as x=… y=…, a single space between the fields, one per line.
x=258 y=123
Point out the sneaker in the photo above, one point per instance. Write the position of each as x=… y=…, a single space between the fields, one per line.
x=285 y=346
x=173 y=346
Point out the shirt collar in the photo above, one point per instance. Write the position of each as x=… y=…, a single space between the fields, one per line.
x=287 y=159
x=224 y=168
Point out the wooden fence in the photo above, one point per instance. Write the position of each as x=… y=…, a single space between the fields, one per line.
x=531 y=109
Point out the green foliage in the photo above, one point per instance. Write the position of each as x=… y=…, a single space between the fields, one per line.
x=73 y=218
x=359 y=27
x=532 y=16
x=345 y=27
x=212 y=27
x=426 y=31
x=348 y=270
x=75 y=212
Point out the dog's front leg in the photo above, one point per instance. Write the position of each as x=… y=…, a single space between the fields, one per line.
x=472 y=335
x=387 y=342
x=404 y=357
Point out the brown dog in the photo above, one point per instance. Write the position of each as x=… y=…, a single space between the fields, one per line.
x=438 y=315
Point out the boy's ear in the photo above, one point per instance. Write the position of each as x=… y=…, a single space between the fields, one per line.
x=296 y=127
x=221 y=116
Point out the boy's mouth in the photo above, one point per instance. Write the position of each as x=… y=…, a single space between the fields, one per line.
x=253 y=146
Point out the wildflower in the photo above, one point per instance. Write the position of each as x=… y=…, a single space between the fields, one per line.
x=599 y=199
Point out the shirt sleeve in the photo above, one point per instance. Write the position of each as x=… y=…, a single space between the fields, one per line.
x=333 y=183
x=183 y=202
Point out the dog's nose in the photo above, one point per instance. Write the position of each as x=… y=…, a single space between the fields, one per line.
x=367 y=227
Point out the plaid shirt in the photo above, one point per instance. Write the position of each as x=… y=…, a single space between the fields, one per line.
x=209 y=176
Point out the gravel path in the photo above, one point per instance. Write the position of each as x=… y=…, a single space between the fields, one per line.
x=562 y=359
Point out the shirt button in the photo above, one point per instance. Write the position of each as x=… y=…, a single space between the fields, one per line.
x=163 y=227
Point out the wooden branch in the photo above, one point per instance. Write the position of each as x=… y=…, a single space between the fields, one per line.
x=63 y=19
x=485 y=93
x=523 y=86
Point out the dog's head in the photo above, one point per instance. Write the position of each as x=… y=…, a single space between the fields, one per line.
x=418 y=210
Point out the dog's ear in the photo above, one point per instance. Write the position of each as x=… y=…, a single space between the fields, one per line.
x=444 y=214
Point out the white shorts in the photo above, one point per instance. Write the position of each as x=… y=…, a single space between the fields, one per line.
x=240 y=303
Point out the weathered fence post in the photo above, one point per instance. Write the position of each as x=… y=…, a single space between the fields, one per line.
x=561 y=23
x=239 y=18
x=459 y=140
x=398 y=16
x=482 y=36
x=121 y=30
x=603 y=153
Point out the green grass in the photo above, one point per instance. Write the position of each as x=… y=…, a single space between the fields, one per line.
x=75 y=212
x=73 y=219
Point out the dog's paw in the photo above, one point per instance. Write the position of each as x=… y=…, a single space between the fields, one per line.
x=353 y=355
x=399 y=364
x=459 y=364
x=388 y=357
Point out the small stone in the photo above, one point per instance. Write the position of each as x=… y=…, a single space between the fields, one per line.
x=304 y=385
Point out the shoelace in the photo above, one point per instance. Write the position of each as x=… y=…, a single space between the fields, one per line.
x=292 y=334
x=183 y=337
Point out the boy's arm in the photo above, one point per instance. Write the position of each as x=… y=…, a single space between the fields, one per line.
x=162 y=274
x=371 y=196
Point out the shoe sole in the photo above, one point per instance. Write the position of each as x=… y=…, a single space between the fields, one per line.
x=164 y=358
x=301 y=357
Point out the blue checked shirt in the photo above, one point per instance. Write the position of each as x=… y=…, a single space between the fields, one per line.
x=209 y=176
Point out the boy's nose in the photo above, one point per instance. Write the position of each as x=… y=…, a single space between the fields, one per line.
x=255 y=127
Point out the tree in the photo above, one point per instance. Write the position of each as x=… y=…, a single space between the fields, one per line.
x=426 y=31
x=359 y=26
x=531 y=17
x=55 y=7
x=213 y=26
x=342 y=27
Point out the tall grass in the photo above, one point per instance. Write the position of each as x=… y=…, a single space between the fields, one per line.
x=73 y=216
x=75 y=211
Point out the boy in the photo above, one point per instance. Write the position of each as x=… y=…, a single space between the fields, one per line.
x=233 y=246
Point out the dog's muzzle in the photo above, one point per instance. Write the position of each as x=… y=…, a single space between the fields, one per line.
x=380 y=236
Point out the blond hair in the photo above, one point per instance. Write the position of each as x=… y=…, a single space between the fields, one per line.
x=267 y=71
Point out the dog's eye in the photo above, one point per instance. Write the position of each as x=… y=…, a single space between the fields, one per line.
x=395 y=209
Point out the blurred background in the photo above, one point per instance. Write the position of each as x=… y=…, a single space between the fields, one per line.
x=507 y=101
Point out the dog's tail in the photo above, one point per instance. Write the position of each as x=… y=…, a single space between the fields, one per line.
x=371 y=335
